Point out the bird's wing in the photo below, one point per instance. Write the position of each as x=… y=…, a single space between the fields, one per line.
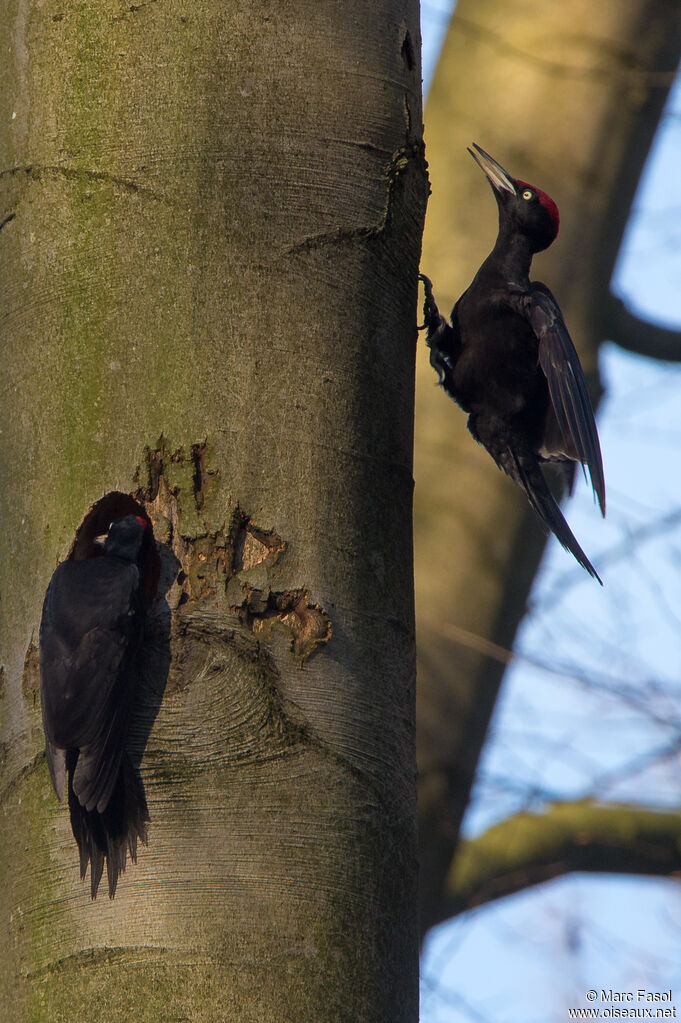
x=89 y=633
x=101 y=672
x=56 y=761
x=563 y=371
x=441 y=337
x=512 y=453
x=530 y=477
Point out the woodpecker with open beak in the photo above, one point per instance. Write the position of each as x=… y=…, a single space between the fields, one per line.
x=507 y=359
x=90 y=636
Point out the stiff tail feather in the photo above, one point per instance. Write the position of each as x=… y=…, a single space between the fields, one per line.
x=112 y=834
x=531 y=479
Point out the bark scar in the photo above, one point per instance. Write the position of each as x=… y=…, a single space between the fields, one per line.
x=230 y=564
x=35 y=171
x=401 y=161
x=308 y=623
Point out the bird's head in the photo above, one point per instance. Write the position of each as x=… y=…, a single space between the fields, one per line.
x=522 y=208
x=124 y=537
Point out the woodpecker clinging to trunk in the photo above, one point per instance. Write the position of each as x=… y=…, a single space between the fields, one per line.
x=507 y=359
x=90 y=635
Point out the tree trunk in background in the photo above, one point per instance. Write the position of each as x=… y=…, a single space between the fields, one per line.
x=566 y=96
x=210 y=226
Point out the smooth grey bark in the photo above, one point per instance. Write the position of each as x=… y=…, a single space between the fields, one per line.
x=211 y=219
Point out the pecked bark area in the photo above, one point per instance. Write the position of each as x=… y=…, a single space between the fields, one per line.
x=210 y=229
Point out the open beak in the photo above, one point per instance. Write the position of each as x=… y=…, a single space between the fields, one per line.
x=101 y=539
x=494 y=172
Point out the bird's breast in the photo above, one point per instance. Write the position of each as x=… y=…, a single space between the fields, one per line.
x=498 y=368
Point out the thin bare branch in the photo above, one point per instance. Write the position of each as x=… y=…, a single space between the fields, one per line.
x=633 y=334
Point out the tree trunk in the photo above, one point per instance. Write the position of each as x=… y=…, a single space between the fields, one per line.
x=566 y=96
x=210 y=227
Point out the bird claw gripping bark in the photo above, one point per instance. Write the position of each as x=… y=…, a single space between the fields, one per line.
x=440 y=337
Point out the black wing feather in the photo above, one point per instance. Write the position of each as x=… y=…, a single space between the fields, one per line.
x=90 y=632
x=531 y=479
x=490 y=383
x=563 y=371
x=512 y=453
x=90 y=636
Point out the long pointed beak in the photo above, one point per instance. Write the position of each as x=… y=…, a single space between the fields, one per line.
x=101 y=539
x=494 y=172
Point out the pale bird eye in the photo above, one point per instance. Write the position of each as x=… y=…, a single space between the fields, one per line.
x=527 y=194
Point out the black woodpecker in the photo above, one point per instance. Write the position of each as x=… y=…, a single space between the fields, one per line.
x=90 y=635
x=507 y=359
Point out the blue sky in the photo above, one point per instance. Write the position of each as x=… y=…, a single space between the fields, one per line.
x=567 y=734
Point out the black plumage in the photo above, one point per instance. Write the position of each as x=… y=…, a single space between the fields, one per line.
x=90 y=635
x=507 y=359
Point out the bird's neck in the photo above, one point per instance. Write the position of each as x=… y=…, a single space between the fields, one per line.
x=512 y=257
